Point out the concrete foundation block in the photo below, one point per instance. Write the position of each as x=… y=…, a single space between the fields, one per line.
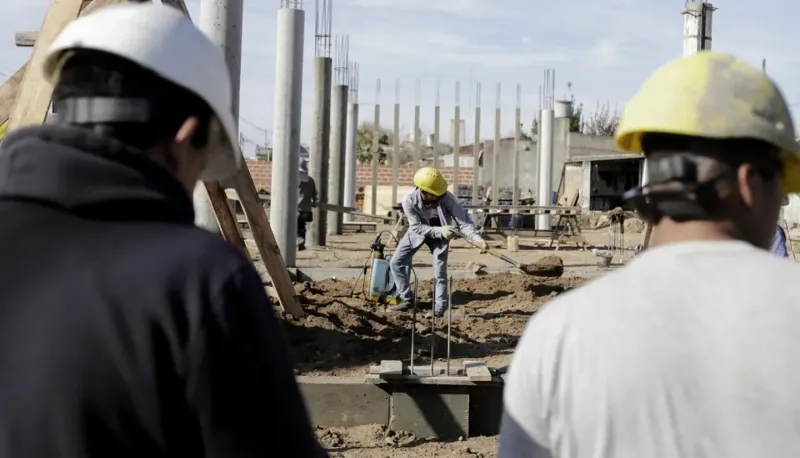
x=430 y=411
x=339 y=403
x=486 y=404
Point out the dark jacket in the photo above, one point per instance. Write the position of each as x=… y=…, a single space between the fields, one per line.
x=125 y=331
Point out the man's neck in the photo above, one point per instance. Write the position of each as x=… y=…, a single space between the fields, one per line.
x=668 y=232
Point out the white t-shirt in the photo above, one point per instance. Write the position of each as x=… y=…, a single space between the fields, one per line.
x=690 y=351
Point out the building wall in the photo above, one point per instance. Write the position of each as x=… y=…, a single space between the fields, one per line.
x=261 y=171
x=565 y=145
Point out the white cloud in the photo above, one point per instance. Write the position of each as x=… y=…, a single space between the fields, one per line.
x=605 y=49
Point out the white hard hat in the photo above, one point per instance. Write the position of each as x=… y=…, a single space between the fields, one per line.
x=163 y=40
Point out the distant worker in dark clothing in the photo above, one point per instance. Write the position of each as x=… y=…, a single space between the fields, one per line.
x=308 y=198
x=126 y=331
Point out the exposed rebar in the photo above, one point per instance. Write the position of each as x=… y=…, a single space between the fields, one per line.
x=323 y=25
x=292 y=4
x=353 y=81
x=341 y=59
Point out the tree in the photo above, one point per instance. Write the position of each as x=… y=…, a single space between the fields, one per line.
x=366 y=137
x=603 y=122
x=575 y=121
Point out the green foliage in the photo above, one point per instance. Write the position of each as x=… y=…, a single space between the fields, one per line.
x=366 y=147
x=602 y=122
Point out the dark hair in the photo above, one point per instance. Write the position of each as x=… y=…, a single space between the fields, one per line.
x=90 y=73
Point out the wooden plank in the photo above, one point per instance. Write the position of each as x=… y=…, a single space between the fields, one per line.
x=265 y=241
x=477 y=371
x=227 y=222
x=390 y=367
x=33 y=99
x=33 y=93
x=25 y=39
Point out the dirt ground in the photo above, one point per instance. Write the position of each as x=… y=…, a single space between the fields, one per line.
x=344 y=334
x=376 y=441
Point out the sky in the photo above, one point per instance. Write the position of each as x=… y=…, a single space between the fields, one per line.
x=601 y=52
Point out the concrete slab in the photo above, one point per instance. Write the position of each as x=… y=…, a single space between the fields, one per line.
x=486 y=405
x=344 y=401
x=431 y=411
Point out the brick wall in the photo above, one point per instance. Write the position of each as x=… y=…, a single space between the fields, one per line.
x=262 y=174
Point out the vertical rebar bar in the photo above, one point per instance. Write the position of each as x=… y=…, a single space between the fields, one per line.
x=449 y=319
x=433 y=326
x=417 y=148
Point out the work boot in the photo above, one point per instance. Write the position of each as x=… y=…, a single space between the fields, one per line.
x=438 y=313
x=301 y=247
x=403 y=306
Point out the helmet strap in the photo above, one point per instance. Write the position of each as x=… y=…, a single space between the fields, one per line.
x=102 y=110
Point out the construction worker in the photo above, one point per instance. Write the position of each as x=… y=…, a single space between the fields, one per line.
x=690 y=350
x=308 y=198
x=430 y=210
x=126 y=330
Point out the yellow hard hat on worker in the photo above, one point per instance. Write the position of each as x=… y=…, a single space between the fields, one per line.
x=430 y=180
x=712 y=95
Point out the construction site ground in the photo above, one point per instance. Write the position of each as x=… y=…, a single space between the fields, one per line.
x=344 y=334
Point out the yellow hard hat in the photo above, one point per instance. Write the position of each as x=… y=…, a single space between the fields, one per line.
x=430 y=180
x=712 y=95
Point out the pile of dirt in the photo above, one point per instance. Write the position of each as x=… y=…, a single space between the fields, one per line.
x=547 y=266
x=344 y=334
x=380 y=441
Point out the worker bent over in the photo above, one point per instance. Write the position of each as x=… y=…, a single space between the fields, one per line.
x=430 y=210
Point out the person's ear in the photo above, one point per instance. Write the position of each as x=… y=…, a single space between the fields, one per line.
x=750 y=184
x=187 y=131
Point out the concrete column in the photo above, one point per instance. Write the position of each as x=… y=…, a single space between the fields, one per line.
x=496 y=157
x=351 y=159
x=696 y=26
x=320 y=146
x=476 y=148
x=562 y=111
x=545 y=195
x=221 y=21
x=336 y=165
x=396 y=149
x=286 y=136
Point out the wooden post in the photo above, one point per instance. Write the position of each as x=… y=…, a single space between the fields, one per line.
x=34 y=95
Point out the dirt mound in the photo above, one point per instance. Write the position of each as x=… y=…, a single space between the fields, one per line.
x=547 y=266
x=377 y=440
x=344 y=334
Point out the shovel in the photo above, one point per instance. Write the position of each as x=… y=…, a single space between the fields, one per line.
x=527 y=269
